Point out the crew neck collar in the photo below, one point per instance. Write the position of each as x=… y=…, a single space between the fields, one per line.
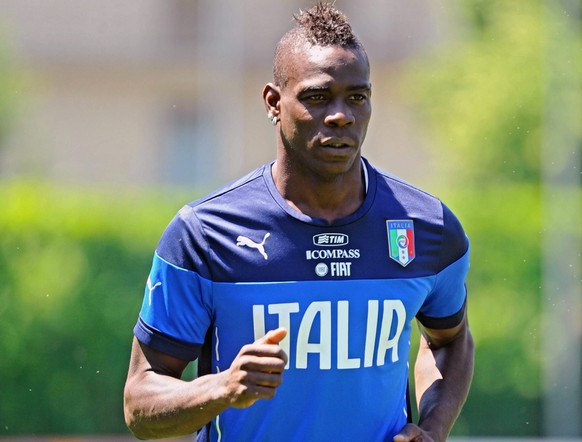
x=370 y=189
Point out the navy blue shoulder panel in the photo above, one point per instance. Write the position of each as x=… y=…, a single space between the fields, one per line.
x=246 y=232
x=455 y=241
x=439 y=236
x=184 y=243
x=233 y=185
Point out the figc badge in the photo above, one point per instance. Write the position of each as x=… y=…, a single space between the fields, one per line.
x=401 y=240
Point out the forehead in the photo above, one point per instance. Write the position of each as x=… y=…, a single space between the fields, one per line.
x=327 y=64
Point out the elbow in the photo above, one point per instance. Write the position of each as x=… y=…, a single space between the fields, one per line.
x=136 y=432
x=132 y=423
x=142 y=420
x=135 y=424
x=134 y=417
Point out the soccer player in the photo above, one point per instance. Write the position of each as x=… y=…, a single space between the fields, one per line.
x=296 y=287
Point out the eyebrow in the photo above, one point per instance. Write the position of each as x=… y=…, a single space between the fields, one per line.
x=366 y=86
x=362 y=86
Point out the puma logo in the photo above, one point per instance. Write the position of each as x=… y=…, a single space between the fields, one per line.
x=244 y=241
x=151 y=288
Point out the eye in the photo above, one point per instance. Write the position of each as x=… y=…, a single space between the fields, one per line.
x=316 y=97
x=358 y=97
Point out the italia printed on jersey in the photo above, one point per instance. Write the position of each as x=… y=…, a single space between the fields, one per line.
x=347 y=293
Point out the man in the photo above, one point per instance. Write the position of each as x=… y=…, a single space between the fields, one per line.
x=296 y=286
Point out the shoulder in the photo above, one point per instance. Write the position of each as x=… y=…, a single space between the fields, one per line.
x=185 y=240
x=434 y=222
x=240 y=189
x=408 y=195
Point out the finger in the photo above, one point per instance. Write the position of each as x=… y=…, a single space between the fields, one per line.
x=403 y=438
x=255 y=352
x=261 y=363
x=253 y=394
x=273 y=336
x=407 y=438
x=410 y=433
x=269 y=380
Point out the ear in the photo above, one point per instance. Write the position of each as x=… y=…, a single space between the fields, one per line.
x=272 y=99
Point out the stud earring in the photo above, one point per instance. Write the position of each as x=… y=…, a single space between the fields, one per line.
x=274 y=119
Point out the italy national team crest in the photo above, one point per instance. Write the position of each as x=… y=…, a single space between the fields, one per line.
x=401 y=240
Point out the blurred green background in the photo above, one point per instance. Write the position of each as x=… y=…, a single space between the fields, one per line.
x=498 y=100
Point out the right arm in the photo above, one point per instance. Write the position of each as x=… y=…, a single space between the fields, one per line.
x=158 y=404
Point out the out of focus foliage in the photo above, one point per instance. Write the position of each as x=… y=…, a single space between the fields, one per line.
x=482 y=98
x=73 y=266
x=482 y=94
x=503 y=224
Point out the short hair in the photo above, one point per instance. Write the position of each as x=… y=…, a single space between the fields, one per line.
x=320 y=25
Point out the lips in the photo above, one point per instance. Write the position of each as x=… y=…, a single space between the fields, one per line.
x=338 y=142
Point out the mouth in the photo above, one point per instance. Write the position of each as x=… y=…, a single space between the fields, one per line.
x=338 y=143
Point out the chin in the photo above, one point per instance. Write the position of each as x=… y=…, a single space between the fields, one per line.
x=334 y=169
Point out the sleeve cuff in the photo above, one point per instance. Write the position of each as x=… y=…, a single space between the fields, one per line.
x=443 y=323
x=166 y=344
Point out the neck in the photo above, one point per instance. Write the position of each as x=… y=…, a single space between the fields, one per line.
x=321 y=197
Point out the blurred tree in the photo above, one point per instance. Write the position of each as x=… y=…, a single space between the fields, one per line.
x=481 y=96
x=73 y=265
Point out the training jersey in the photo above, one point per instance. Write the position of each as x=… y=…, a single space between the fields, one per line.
x=241 y=261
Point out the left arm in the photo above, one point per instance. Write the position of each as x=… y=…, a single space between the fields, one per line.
x=443 y=374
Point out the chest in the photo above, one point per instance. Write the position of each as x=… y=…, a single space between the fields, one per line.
x=281 y=250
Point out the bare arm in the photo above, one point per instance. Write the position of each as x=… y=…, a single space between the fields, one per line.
x=443 y=374
x=158 y=404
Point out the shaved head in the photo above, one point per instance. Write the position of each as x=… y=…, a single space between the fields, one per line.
x=321 y=25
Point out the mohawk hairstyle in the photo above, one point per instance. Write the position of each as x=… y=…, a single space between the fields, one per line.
x=320 y=25
x=325 y=26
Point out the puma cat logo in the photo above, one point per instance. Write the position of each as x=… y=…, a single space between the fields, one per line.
x=244 y=241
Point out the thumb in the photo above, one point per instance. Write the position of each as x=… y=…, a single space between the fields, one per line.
x=273 y=336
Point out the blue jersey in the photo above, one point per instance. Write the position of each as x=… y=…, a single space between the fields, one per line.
x=241 y=261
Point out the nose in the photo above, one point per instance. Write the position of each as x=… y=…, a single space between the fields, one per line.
x=340 y=115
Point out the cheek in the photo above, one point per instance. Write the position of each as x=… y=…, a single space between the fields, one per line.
x=363 y=118
x=299 y=116
x=298 y=124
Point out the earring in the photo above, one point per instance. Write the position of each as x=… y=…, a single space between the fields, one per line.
x=274 y=119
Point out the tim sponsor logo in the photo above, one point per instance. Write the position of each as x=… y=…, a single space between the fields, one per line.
x=331 y=239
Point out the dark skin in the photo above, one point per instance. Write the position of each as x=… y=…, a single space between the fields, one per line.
x=323 y=112
x=158 y=404
x=442 y=374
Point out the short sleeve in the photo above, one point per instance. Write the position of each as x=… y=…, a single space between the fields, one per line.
x=177 y=310
x=445 y=305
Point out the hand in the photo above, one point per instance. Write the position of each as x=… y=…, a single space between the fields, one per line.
x=257 y=370
x=413 y=433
